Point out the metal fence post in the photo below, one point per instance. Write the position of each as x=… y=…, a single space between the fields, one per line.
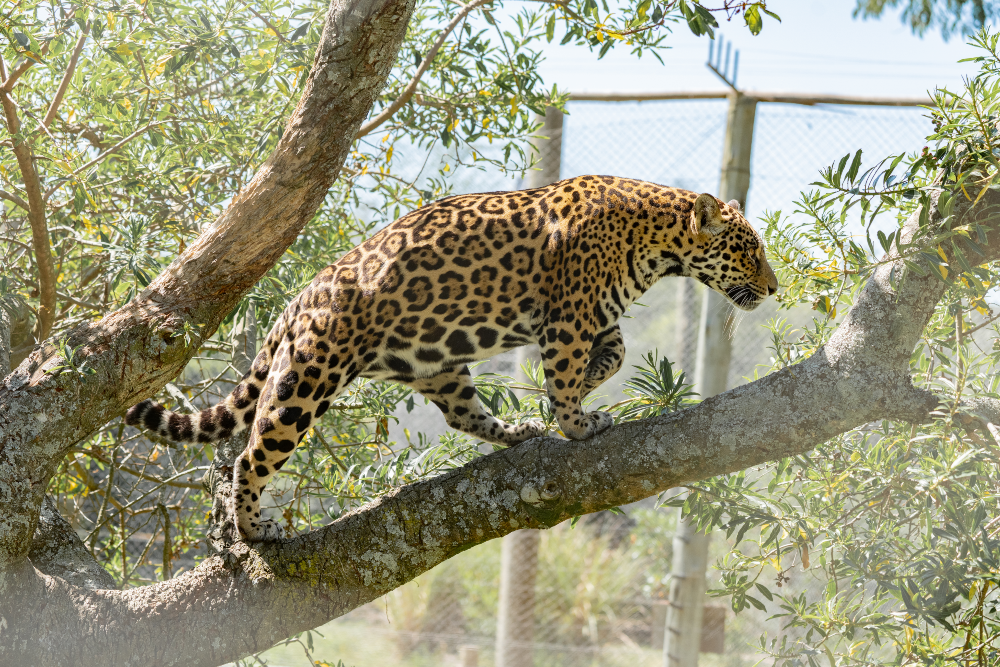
x=519 y=550
x=682 y=638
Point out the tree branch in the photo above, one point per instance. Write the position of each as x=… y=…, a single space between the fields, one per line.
x=4 y=342
x=7 y=82
x=59 y=552
x=67 y=77
x=36 y=216
x=14 y=199
x=411 y=87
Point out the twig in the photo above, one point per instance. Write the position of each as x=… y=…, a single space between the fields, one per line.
x=103 y=155
x=974 y=329
x=276 y=32
x=64 y=84
x=411 y=88
x=137 y=473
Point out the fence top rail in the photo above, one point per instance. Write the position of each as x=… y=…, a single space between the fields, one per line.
x=807 y=99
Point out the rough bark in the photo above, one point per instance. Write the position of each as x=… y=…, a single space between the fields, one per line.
x=245 y=599
x=58 y=551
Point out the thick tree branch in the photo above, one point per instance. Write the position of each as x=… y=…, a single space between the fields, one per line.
x=58 y=551
x=411 y=87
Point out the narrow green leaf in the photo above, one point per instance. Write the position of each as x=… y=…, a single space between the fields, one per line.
x=852 y=173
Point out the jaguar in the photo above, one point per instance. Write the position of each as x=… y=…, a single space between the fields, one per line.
x=463 y=279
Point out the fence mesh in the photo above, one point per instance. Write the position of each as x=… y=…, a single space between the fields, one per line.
x=600 y=587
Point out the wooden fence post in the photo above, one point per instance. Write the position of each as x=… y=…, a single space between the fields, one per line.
x=682 y=637
x=519 y=551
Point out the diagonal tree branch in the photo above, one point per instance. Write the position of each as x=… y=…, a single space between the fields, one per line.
x=67 y=77
x=36 y=215
x=411 y=87
x=7 y=82
x=14 y=199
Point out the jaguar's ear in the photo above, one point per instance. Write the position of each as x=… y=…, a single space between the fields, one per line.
x=735 y=203
x=706 y=217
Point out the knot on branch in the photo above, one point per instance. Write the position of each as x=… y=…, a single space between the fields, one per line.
x=540 y=494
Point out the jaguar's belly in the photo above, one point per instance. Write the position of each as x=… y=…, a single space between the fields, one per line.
x=421 y=361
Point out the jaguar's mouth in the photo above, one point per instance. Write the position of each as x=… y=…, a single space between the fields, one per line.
x=743 y=297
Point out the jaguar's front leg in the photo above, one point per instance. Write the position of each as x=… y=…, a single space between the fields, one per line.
x=564 y=358
x=606 y=357
x=455 y=395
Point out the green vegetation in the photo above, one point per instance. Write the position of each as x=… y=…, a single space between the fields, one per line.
x=896 y=520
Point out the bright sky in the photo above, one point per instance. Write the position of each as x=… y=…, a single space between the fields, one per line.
x=818 y=47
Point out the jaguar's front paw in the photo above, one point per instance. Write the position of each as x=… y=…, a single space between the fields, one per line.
x=588 y=425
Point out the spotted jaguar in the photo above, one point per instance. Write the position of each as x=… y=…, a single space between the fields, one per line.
x=463 y=279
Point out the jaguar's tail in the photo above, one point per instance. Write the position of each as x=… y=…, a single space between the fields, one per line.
x=233 y=414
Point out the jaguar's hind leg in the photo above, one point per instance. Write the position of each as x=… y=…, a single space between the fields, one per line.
x=455 y=394
x=294 y=397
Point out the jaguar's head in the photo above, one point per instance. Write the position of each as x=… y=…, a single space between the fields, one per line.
x=729 y=253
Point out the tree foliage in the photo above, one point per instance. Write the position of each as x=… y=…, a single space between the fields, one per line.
x=881 y=546
x=951 y=17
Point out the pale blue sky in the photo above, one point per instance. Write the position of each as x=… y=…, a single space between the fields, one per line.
x=818 y=47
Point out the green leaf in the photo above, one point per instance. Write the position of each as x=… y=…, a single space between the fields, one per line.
x=299 y=32
x=766 y=593
x=852 y=172
x=550 y=28
x=752 y=17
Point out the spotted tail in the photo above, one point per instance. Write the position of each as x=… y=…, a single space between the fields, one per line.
x=232 y=415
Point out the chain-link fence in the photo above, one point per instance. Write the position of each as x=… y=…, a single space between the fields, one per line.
x=600 y=587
